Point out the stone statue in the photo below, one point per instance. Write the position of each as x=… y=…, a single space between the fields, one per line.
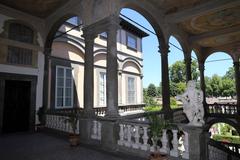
x=192 y=100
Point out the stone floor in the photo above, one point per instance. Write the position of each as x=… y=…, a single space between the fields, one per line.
x=39 y=146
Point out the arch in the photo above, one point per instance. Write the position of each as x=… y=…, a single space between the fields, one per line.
x=154 y=21
x=131 y=66
x=71 y=41
x=100 y=59
x=215 y=52
x=182 y=43
x=131 y=59
x=222 y=120
x=54 y=28
x=100 y=51
x=67 y=51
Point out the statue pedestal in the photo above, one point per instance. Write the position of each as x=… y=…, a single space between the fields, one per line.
x=197 y=142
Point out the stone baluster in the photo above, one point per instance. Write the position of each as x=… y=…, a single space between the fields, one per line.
x=94 y=130
x=145 y=139
x=175 y=152
x=128 y=143
x=121 y=135
x=99 y=130
x=164 y=139
x=136 y=145
x=186 y=146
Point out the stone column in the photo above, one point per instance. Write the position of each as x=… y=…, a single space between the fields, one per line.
x=88 y=74
x=237 y=83
x=46 y=83
x=112 y=68
x=120 y=87
x=202 y=80
x=188 y=62
x=164 y=49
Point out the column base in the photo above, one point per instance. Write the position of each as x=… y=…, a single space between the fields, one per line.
x=112 y=114
x=89 y=114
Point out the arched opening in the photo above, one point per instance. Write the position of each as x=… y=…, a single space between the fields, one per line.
x=143 y=47
x=225 y=134
x=177 y=71
x=220 y=83
x=65 y=64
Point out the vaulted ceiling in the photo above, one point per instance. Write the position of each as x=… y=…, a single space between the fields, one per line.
x=208 y=23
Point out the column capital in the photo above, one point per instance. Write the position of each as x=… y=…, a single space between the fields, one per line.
x=47 y=51
x=163 y=49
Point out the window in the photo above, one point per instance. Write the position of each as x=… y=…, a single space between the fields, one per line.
x=18 y=55
x=131 y=41
x=64 y=87
x=103 y=35
x=131 y=90
x=74 y=21
x=102 y=89
x=19 y=32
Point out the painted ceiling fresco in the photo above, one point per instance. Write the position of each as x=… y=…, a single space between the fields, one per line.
x=39 y=8
x=220 y=40
x=214 y=21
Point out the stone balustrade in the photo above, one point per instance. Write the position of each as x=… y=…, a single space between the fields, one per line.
x=136 y=136
x=96 y=130
x=57 y=122
x=226 y=109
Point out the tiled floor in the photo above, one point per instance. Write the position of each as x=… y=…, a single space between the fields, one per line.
x=40 y=146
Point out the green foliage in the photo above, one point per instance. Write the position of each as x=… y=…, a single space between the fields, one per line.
x=221 y=86
x=151 y=91
x=226 y=138
x=152 y=108
x=177 y=73
x=173 y=101
x=156 y=126
x=72 y=119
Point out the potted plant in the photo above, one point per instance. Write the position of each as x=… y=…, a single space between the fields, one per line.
x=72 y=119
x=157 y=125
x=41 y=114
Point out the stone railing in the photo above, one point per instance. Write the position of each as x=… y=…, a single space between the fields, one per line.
x=217 y=151
x=96 y=132
x=219 y=109
x=136 y=136
x=101 y=111
x=131 y=107
x=57 y=122
x=232 y=146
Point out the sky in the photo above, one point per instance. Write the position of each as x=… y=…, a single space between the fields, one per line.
x=152 y=58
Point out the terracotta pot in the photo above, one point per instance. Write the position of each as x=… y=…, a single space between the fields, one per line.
x=74 y=140
x=158 y=156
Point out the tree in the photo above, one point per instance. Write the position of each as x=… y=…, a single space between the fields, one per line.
x=177 y=71
x=230 y=73
x=216 y=85
x=228 y=87
x=151 y=91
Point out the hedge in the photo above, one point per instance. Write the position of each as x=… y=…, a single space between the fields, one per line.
x=224 y=138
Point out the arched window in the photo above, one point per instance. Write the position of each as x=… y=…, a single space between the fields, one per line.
x=17 y=55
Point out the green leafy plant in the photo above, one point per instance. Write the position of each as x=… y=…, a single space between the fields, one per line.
x=72 y=119
x=156 y=126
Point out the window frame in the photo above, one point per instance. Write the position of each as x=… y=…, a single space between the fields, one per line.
x=105 y=88
x=135 y=90
x=133 y=37
x=64 y=87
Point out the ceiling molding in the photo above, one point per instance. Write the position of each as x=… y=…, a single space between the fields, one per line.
x=201 y=9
